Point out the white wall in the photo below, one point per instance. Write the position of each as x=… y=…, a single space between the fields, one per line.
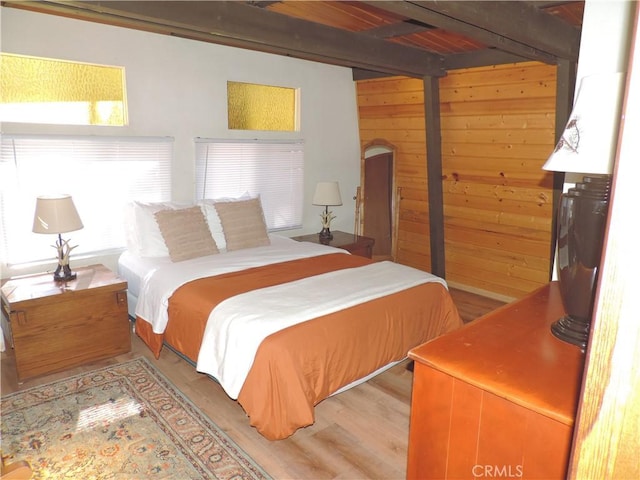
x=177 y=88
x=604 y=45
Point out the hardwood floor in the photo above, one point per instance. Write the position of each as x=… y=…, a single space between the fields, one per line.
x=361 y=433
x=471 y=306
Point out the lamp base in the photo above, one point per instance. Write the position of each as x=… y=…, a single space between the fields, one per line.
x=64 y=274
x=325 y=234
x=572 y=330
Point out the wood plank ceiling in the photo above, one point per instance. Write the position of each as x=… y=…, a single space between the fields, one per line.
x=375 y=38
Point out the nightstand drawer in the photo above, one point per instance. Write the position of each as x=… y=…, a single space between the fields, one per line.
x=354 y=244
x=360 y=249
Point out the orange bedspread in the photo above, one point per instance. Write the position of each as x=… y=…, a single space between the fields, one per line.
x=300 y=366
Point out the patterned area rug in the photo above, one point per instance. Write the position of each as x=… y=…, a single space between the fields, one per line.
x=125 y=421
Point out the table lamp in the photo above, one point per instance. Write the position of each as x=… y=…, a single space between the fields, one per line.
x=588 y=145
x=327 y=194
x=58 y=215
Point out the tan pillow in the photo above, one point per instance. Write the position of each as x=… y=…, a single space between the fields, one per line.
x=186 y=233
x=243 y=224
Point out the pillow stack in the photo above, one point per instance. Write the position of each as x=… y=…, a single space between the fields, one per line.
x=183 y=232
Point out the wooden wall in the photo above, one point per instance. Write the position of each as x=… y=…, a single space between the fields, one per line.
x=497 y=132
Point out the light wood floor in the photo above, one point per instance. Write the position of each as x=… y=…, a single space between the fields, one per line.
x=358 y=434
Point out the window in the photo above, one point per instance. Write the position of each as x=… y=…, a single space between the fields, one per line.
x=272 y=169
x=44 y=90
x=261 y=107
x=102 y=174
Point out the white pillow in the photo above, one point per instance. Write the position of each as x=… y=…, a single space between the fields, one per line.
x=213 y=220
x=144 y=238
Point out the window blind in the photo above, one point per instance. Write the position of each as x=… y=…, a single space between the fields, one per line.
x=272 y=169
x=101 y=173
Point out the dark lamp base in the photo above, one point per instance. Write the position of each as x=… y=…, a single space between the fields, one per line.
x=582 y=217
x=325 y=234
x=64 y=274
x=571 y=330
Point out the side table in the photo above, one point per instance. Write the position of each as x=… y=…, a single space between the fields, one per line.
x=354 y=244
x=53 y=326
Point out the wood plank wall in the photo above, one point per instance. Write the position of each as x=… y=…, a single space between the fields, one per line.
x=497 y=132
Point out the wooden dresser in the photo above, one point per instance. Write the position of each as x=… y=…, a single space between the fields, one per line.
x=57 y=325
x=497 y=398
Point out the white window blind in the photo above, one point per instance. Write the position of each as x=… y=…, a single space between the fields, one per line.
x=272 y=169
x=102 y=174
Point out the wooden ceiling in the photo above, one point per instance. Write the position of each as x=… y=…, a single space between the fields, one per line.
x=375 y=38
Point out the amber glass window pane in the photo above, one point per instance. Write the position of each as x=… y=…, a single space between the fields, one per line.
x=45 y=90
x=261 y=107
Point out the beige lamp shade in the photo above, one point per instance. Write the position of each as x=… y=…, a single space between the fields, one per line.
x=56 y=214
x=327 y=193
x=588 y=143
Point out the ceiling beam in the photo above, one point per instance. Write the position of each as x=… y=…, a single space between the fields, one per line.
x=241 y=25
x=359 y=74
x=519 y=28
x=480 y=58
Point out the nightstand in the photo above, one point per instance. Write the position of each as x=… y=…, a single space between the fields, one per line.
x=355 y=244
x=53 y=326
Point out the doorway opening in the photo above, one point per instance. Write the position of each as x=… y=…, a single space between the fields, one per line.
x=377 y=202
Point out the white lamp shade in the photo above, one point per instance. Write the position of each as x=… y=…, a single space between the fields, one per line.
x=327 y=193
x=588 y=143
x=56 y=214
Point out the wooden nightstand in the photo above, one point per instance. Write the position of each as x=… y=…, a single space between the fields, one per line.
x=53 y=326
x=355 y=244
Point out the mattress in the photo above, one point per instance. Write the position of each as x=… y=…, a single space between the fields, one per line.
x=134 y=269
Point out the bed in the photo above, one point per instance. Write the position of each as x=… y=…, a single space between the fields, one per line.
x=280 y=324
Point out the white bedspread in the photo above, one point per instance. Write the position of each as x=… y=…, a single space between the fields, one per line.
x=237 y=326
x=160 y=283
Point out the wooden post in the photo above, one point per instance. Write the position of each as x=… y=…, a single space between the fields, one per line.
x=434 y=174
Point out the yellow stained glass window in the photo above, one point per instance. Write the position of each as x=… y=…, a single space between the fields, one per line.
x=45 y=90
x=261 y=107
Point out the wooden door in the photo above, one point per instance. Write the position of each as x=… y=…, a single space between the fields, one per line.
x=378 y=182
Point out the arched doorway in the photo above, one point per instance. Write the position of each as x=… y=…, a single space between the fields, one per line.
x=377 y=200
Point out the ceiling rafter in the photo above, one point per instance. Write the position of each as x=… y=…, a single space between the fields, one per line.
x=481 y=58
x=518 y=28
x=522 y=22
x=399 y=29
